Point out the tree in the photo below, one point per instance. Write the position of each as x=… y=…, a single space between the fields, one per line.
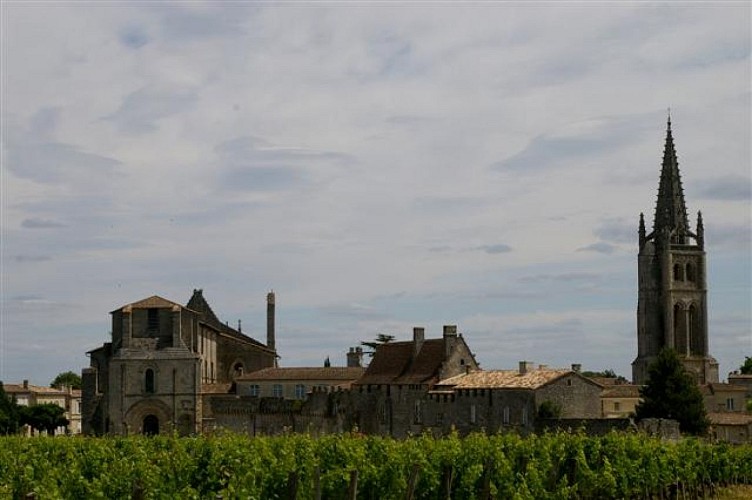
x=44 y=417
x=10 y=416
x=68 y=379
x=609 y=373
x=549 y=409
x=381 y=338
x=746 y=368
x=670 y=392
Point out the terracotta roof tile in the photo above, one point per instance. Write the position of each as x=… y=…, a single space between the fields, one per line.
x=504 y=379
x=36 y=389
x=340 y=373
x=621 y=391
x=155 y=301
x=198 y=303
x=393 y=363
x=714 y=387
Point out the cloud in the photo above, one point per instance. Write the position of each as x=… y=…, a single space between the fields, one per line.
x=617 y=230
x=141 y=110
x=599 y=247
x=728 y=188
x=495 y=249
x=31 y=258
x=576 y=141
x=251 y=163
x=54 y=162
x=133 y=37
x=561 y=277
x=41 y=224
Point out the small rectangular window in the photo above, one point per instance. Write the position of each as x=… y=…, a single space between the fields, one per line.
x=254 y=390
x=730 y=404
x=473 y=416
x=277 y=390
x=152 y=319
x=300 y=392
x=617 y=406
x=505 y=416
x=418 y=413
x=524 y=415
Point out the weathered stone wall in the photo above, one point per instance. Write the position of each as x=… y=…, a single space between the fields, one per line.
x=174 y=400
x=577 y=397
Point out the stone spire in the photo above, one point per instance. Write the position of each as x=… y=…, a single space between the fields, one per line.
x=670 y=209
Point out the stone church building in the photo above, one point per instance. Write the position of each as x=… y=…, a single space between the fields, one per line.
x=162 y=358
x=672 y=305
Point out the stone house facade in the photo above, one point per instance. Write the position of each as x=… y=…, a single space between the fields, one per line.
x=151 y=376
x=720 y=397
x=26 y=394
x=296 y=383
x=731 y=427
x=394 y=389
x=509 y=400
x=619 y=400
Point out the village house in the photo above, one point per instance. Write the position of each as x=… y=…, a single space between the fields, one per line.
x=732 y=427
x=503 y=400
x=720 y=397
x=26 y=394
x=396 y=384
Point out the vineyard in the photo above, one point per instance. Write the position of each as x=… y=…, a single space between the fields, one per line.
x=342 y=466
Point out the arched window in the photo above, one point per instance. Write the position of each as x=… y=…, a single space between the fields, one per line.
x=678 y=273
x=690 y=270
x=150 y=425
x=680 y=339
x=149 y=381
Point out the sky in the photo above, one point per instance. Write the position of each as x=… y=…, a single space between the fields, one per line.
x=379 y=165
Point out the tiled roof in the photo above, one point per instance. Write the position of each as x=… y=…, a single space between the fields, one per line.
x=340 y=373
x=712 y=388
x=155 y=301
x=35 y=389
x=505 y=379
x=393 y=363
x=621 y=391
x=730 y=418
x=199 y=304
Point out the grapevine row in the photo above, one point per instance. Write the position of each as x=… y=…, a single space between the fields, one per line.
x=505 y=466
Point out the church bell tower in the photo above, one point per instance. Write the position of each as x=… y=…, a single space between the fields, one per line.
x=672 y=306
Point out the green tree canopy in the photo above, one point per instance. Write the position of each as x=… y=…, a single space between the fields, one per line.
x=44 y=417
x=68 y=379
x=609 y=373
x=381 y=338
x=10 y=415
x=670 y=392
x=746 y=368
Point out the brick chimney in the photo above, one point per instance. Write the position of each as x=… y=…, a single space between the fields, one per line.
x=355 y=357
x=419 y=336
x=270 y=300
x=526 y=366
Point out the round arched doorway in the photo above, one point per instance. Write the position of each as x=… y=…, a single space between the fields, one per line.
x=151 y=425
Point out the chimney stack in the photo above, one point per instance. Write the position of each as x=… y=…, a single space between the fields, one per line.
x=525 y=366
x=450 y=339
x=419 y=336
x=355 y=357
x=25 y=384
x=270 y=320
x=576 y=367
